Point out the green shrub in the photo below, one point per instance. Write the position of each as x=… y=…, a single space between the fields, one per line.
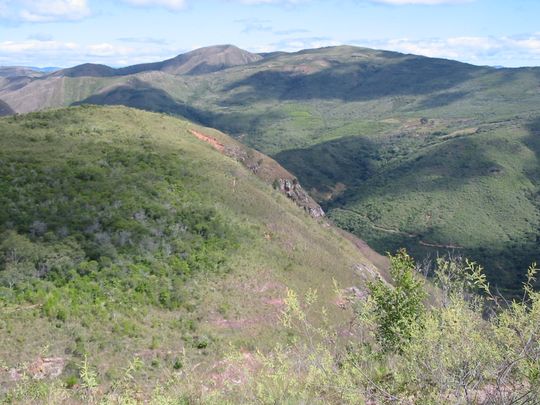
x=398 y=307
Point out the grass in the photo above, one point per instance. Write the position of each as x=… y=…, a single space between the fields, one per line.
x=124 y=236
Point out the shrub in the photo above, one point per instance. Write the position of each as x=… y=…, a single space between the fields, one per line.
x=398 y=308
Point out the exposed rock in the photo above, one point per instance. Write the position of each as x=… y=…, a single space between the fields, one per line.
x=293 y=190
x=50 y=367
x=42 y=368
x=254 y=161
x=356 y=293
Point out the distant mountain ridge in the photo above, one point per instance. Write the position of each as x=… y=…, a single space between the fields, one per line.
x=200 y=61
x=17 y=71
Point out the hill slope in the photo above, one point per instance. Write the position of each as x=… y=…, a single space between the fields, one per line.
x=403 y=150
x=130 y=234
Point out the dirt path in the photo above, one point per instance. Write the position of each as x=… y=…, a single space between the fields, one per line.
x=440 y=246
x=380 y=228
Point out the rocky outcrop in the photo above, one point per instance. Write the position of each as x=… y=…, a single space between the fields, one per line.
x=293 y=190
x=41 y=368
x=266 y=169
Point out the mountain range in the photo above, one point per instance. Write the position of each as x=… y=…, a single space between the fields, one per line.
x=404 y=151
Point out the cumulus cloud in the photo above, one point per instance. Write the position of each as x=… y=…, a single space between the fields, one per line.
x=47 y=10
x=44 y=10
x=294 y=44
x=273 y=1
x=168 y=4
x=34 y=52
x=508 y=50
x=420 y=2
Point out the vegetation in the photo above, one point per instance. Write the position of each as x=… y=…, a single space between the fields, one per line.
x=404 y=151
x=466 y=349
x=398 y=307
x=123 y=236
x=145 y=259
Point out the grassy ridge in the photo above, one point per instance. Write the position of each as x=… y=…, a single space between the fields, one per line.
x=123 y=235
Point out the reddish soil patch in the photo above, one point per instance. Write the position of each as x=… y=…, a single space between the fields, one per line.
x=209 y=139
x=275 y=302
x=341 y=302
x=270 y=285
x=234 y=323
x=50 y=367
x=234 y=371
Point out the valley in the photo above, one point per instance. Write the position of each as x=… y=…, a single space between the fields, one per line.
x=402 y=150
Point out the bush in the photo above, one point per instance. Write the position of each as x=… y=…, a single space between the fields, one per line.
x=398 y=308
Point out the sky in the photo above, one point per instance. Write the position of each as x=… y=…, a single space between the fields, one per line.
x=123 y=32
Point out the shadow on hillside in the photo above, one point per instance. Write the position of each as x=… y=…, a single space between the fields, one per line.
x=349 y=161
x=532 y=141
x=139 y=94
x=357 y=163
x=5 y=109
x=505 y=261
x=505 y=264
x=442 y=99
x=356 y=81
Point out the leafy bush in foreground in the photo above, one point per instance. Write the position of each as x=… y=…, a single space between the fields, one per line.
x=466 y=349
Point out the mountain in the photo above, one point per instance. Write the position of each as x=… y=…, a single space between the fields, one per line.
x=17 y=71
x=46 y=69
x=133 y=235
x=86 y=70
x=431 y=154
x=200 y=61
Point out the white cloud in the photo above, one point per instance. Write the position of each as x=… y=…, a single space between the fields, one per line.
x=47 y=10
x=23 y=47
x=36 y=11
x=108 y=50
x=44 y=10
x=273 y=1
x=297 y=44
x=508 y=51
x=420 y=2
x=168 y=4
x=57 y=53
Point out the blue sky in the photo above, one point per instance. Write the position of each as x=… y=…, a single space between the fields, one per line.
x=121 y=32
